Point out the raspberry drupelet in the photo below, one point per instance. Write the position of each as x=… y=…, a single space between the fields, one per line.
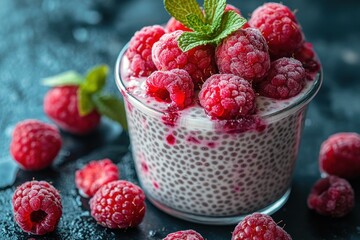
x=278 y=25
x=37 y=207
x=227 y=96
x=139 y=51
x=94 y=175
x=198 y=62
x=285 y=79
x=34 y=144
x=118 y=204
x=245 y=54
x=184 y=235
x=259 y=226
x=172 y=25
x=331 y=196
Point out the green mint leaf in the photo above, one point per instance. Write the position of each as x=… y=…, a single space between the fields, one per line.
x=181 y=9
x=85 y=102
x=95 y=79
x=196 y=24
x=112 y=108
x=230 y=23
x=64 y=79
x=189 y=40
x=214 y=9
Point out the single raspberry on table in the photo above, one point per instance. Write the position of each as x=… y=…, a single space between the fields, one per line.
x=198 y=62
x=174 y=86
x=340 y=155
x=306 y=55
x=118 y=204
x=278 y=25
x=245 y=54
x=37 y=207
x=94 y=175
x=184 y=235
x=172 y=25
x=139 y=51
x=61 y=106
x=35 y=144
x=285 y=79
x=259 y=226
x=331 y=196
x=227 y=96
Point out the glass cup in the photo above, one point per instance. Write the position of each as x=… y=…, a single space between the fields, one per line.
x=213 y=172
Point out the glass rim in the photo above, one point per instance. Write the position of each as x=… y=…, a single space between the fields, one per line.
x=299 y=103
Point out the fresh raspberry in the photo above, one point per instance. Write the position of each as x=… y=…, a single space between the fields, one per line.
x=227 y=96
x=198 y=62
x=259 y=226
x=173 y=86
x=34 y=144
x=61 y=106
x=94 y=175
x=37 y=207
x=139 y=51
x=184 y=235
x=279 y=27
x=172 y=25
x=306 y=55
x=244 y=53
x=331 y=196
x=340 y=155
x=118 y=204
x=285 y=79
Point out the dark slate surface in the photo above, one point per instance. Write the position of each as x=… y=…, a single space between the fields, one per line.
x=42 y=38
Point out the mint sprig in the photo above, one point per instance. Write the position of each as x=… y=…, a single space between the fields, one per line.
x=90 y=93
x=210 y=26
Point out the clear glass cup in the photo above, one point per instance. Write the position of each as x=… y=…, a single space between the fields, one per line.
x=191 y=168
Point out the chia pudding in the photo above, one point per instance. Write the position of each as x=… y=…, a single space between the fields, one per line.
x=198 y=169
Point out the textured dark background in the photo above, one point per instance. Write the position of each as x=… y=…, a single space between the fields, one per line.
x=42 y=38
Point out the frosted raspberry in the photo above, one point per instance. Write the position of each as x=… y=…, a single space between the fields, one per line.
x=174 y=86
x=306 y=55
x=139 y=52
x=173 y=25
x=184 y=235
x=279 y=27
x=285 y=79
x=331 y=196
x=94 y=175
x=198 y=62
x=244 y=53
x=340 y=155
x=259 y=226
x=227 y=96
x=118 y=204
x=34 y=144
x=37 y=207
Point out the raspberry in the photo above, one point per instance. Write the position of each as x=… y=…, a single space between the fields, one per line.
x=184 y=235
x=198 y=62
x=139 y=51
x=94 y=175
x=173 y=86
x=340 y=155
x=118 y=204
x=285 y=79
x=279 y=27
x=61 y=106
x=306 y=55
x=173 y=25
x=37 y=207
x=331 y=196
x=244 y=53
x=34 y=144
x=227 y=96
x=259 y=226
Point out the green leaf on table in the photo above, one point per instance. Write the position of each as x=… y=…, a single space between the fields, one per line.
x=69 y=78
x=181 y=9
x=112 y=108
x=85 y=102
x=95 y=79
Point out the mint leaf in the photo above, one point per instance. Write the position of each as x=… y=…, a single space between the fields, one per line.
x=112 y=108
x=181 y=9
x=218 y=13
x=196 y=24
x=85 y=102
x=214 y=10
x=95 y=79
x=230 y=23
x=64 y=79
x=189 y=40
